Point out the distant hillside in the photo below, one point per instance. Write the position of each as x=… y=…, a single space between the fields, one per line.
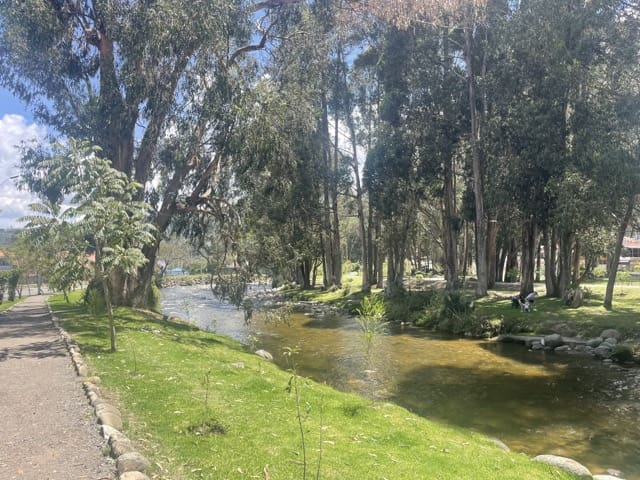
x=7 y=235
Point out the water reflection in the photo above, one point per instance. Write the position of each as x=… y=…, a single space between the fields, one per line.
x=535 y=402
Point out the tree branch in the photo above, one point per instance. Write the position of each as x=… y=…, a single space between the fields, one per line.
x=250 y=48
x=271 y=4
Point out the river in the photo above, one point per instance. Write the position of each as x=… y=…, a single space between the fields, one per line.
x=535 y=402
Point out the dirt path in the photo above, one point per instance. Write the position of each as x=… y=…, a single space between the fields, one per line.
x=47 y=428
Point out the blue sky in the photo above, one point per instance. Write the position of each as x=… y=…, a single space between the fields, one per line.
x=16 y=126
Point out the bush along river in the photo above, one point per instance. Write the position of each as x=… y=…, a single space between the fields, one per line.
x=534 y=402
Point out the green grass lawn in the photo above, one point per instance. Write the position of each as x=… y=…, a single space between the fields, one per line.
x=200 y=407
x=589 y=320
x=6 y=304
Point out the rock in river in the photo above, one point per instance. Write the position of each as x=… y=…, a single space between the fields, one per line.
x=553 y=341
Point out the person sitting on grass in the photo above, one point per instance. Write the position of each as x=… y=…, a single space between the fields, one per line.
x=516 y=302
x=529 y=300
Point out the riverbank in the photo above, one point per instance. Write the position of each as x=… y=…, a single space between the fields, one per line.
x=422 y=305
x=203 y=407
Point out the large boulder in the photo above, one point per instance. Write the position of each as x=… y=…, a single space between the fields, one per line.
x=611 y=333
x=603 y=351
x=264 y=354
x=563 y=463
x=552 y=341
x=594 y=342
x=564 y=329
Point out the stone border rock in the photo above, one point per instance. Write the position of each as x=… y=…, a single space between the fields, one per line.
x=130 y=464
x=571 y=466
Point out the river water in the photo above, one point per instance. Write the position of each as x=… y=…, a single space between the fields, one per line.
x=535 y=402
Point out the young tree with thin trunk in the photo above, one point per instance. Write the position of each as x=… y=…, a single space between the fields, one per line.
x=102 y=216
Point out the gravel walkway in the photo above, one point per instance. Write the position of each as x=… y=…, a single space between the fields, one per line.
x=47 y=429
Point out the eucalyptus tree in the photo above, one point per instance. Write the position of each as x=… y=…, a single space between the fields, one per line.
x=467 y=16
x=391 y=172
x=132 y=77
x=284 y=170
x=346 y=87
x=552 y=124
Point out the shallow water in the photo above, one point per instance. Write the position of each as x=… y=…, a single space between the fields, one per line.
x=535 y=402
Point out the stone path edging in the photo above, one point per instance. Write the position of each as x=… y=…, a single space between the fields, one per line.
x=130 y=464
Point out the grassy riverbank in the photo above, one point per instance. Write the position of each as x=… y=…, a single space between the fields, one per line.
x=204 y=408
x=550 y=316
x=588 y=320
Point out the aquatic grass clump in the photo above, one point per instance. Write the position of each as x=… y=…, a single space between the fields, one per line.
x=372 y=320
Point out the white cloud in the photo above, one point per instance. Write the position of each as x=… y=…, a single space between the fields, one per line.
x=13 y=132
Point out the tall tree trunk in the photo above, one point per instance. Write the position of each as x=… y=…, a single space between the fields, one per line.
x=529 y=234
x=450 y=220
x=615 y=260
x=575 y=271
x=371 y=247
x=564 y=263
x=538 y=260
x=465 y=250
x=335 y=226
x=492 y=252
x=480 y=227
x=328 y=243
x=396 y=248
x=450 y=227
x=502 y=261
x=549 y=262
x=512 y=262
x=379 y=255
x=364 y=246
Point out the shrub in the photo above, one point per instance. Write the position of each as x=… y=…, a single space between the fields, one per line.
x=599 y=272
x=622 y=354
x=452 y=312
x=513 y=325
x=3 y=286
x=12 y=283
x=94 y=298
x=623 y=277
x=408 y=306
